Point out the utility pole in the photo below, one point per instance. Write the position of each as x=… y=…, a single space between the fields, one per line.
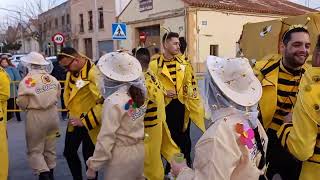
x=95 y=34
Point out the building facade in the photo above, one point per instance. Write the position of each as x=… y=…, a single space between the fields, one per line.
x=211 y=27
x=55 y=20
x=30 y=39
x=91 y=26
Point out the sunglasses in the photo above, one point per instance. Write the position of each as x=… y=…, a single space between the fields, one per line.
x=67 y=67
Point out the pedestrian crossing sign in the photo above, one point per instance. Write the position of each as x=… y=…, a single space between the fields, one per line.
x=119 y=31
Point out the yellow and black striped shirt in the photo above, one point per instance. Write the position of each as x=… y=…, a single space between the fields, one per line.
x=288 y=83
x=171 y=65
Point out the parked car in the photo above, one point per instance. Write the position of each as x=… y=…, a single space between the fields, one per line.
x=52 y=58
x=16 y=59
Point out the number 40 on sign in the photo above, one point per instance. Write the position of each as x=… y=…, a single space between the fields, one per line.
x=58 y=38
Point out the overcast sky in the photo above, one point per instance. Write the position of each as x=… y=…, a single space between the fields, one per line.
x=313 y=3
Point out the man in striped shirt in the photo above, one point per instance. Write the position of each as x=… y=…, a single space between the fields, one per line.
x=83 y=101
x=183 y=102
x=280 y=77
x=301 y=137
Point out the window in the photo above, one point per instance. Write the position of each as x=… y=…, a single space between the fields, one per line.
x=81 y=23
x=62 y=20
x=101 y=21
x=68 y=18
x=214 y=50
x=90 y=24
x=56 y=22
x=49 y=24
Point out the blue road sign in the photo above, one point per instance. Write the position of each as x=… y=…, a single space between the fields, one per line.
x=119 y=31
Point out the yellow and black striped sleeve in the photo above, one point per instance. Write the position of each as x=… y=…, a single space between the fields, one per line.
x=266 y=65
x=301 y=136
x=92 y=119
x=193 y=78
x=151 y=117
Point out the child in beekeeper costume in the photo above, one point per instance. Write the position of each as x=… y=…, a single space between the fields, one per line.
x=119 y=149
x=234 y=146
x=38 y=95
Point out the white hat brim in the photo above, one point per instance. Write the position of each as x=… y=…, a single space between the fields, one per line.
x=106 y=69
x=249 y=97
x=27 y=60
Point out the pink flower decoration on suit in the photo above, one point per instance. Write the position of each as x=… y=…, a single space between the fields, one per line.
x=246 y=134
x=30 y=82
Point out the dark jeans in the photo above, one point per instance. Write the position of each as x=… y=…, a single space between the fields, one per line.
x=72 y=143
x=280 y=160
x=63 y=113
x=175 y=120
x=11 y=106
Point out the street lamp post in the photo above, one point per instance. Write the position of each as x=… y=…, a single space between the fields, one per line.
x=21 y=27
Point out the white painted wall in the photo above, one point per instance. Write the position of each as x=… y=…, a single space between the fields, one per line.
x=160 y=7
x=176 y=24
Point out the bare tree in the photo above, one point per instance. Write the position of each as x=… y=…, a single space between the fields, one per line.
x=29 y=12
x=23 y=20
x=32 y=8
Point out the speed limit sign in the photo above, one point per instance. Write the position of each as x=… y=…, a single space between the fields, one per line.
x=58 y=38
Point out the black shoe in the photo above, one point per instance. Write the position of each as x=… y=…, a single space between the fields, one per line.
x=44 y=176
x=51 y=174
